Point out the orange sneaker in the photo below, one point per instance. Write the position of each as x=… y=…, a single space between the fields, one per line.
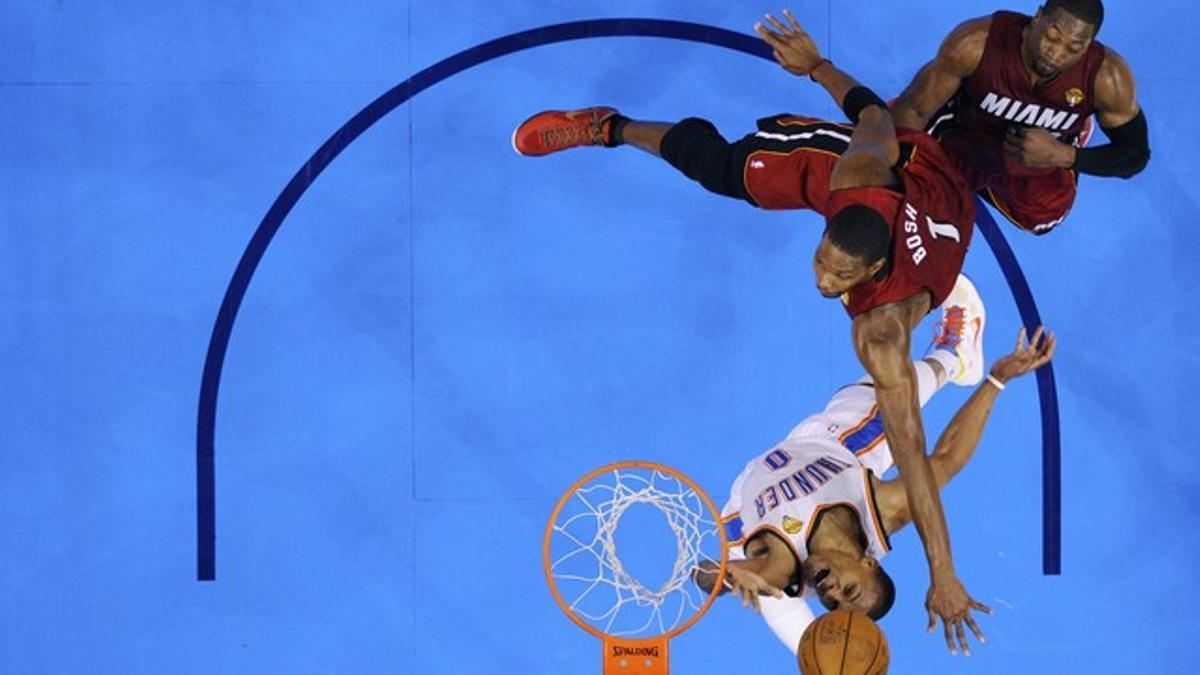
x=555 y=130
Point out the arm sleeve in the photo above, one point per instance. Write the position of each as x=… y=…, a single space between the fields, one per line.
x=1125 y=156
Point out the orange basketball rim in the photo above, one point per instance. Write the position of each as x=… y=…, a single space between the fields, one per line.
x=595 y=588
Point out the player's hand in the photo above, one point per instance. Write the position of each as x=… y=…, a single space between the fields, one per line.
x=794 y=49
x=948 y=600
x=749 y=585
x=705 y=575
x=1026 y=357
x=1037 y=148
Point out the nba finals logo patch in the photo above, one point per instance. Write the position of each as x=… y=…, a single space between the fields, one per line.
x=1074 y=96
x=792 y=525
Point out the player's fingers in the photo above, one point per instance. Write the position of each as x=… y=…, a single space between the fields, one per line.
x=1036 y=341
x=776 y=23
x=792 y=20
x=976 y=605
x=775 y=46
x=975 y=629
x=1041 y=360
x=768 y=35
x=932 y=622
x=1032 y=346
x=1021 y=339
x=1049 y=344
x=962 y=638
x=948 y=632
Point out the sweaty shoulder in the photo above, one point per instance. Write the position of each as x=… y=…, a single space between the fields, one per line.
x=1114 y=87
x=962 y=50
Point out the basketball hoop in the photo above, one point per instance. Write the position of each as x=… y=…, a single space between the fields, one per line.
x=601 y=592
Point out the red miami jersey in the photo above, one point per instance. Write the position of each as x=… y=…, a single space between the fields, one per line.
x=999 y=95
x=932 y=219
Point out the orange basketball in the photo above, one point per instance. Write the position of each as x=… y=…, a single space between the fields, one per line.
x=843 y=643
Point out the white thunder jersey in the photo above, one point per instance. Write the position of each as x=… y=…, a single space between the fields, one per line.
x=824 y=462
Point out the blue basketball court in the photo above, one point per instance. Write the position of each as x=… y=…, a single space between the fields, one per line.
x=298 y=355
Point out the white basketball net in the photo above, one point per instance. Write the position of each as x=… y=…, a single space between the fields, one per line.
x=589 y=574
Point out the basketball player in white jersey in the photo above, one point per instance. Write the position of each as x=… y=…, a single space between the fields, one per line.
x=813 y=512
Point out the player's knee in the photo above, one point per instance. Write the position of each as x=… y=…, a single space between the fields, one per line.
x=697 y=149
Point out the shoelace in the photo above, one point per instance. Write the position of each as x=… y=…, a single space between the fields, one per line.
x=950 y=331
x=592 y=130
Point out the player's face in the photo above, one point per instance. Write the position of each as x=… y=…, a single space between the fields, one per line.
x=837 y=271
x=1056 y=42
x=843 y=581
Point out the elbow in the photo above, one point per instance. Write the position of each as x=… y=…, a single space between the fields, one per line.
x=875 y=114
x=1137 y=164
x=905 y=115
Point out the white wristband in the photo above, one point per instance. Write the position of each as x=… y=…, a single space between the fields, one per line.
x=999 y=385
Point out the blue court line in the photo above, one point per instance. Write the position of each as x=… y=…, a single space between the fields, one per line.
x=214 y=362
x=1047 y=392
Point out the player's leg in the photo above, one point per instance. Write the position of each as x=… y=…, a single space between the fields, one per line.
x=647 y=136
x=694 y=146
x=958 y=337
x=954 y=355
x=786 y=164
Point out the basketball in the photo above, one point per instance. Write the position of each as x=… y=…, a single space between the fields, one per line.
x=843 y=643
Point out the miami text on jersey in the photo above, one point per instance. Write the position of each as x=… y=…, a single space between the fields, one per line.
x=1032 y=114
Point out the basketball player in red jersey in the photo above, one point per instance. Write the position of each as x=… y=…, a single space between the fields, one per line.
x=1012 y=96
x=899 y=218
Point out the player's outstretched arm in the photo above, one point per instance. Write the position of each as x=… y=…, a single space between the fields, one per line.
x=873 y=147
x=957 y=443
x=881 y=338
x=882 y=341
x=956 y=60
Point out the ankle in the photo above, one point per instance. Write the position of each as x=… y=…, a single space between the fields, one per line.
x=616 y=130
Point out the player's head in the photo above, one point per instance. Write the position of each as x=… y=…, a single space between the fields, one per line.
x=851 y=582
x=1061 y=32
x=854 y=249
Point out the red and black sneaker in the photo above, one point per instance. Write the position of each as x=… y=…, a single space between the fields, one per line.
x=555 y=130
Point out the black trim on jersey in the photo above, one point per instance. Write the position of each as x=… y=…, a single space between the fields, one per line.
x=907 y=150
x=944 y=119
x=826 y=136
